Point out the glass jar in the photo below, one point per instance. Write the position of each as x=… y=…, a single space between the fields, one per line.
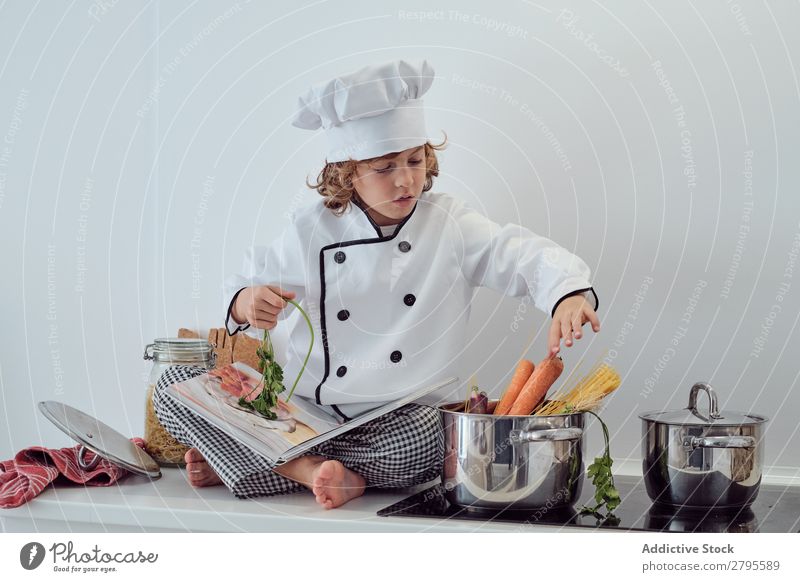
x=160 y=444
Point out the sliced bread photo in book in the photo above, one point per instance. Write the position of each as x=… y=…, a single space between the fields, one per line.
x=300 y=423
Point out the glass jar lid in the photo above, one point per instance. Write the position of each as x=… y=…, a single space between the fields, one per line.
x=694 y=417
x=179 y=349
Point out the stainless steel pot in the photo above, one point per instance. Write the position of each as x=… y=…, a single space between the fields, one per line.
x=512 y=462
x=697 y=460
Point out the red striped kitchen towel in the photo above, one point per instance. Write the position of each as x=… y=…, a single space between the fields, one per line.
x=34 y=468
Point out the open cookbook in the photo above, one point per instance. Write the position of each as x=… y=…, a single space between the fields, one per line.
x=300 y=423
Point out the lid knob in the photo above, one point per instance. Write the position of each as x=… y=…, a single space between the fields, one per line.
x=713 y=408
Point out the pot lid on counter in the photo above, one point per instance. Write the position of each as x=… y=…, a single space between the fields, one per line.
x=694 y=417
x=101 y=439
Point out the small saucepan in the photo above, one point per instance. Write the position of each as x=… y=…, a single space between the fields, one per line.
x=702 y=460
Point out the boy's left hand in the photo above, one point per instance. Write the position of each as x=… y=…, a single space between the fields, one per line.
x=568 y=319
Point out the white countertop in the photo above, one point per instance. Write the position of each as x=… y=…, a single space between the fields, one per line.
x=170 y=503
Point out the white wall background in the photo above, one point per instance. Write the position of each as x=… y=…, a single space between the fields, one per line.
x=144 y=145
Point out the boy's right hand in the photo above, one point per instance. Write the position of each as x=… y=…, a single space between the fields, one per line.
x=260 y=306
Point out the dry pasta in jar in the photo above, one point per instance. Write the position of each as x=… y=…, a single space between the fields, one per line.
x=165 y=449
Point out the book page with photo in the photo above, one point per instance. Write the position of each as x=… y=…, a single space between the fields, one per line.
x=217 y=397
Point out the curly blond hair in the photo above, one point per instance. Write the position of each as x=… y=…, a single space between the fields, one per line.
x=335 y=180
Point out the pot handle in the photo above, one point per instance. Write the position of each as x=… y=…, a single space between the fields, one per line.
x=719 y=442
x=547 y=434
x=713 y=407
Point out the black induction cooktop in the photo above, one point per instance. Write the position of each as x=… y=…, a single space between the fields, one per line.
x=776 y=509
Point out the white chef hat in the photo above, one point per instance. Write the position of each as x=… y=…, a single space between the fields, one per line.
x=370 y=112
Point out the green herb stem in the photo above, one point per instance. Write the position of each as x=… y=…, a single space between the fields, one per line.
x=606 y=492
x=311 y=345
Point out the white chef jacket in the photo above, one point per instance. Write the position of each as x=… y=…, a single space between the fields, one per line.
x=390 y=308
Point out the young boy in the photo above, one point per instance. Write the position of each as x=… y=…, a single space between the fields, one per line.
x=386 y=270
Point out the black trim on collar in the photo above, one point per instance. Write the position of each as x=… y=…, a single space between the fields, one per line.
x=362 y=241
x=571 y=293
x=374 y=224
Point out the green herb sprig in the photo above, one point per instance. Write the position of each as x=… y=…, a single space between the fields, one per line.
x=605 y=492
x=271 y=383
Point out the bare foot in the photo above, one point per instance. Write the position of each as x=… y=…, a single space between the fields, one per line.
x=333 y=484
x=200 y=473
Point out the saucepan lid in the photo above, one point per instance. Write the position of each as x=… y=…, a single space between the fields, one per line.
x=99 y=438
x=713 y=416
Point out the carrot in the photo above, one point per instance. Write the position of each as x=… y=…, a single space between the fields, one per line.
x=521 y=374
x=537 y=386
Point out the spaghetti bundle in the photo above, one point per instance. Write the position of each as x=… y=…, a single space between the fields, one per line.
x=586 y=395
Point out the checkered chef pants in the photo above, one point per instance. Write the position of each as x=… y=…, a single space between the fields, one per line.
x=401 y=448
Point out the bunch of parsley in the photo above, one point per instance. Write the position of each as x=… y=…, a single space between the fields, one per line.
x=605 y=492
x=272 y=375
